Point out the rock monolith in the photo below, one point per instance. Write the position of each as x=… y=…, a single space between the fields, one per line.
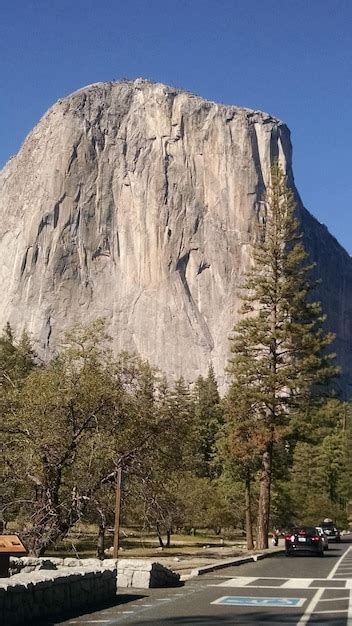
x=140 y=203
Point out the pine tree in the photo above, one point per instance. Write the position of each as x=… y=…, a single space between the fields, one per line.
x=207 y=422
x=278 y=350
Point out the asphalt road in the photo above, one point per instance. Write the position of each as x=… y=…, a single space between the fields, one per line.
x=276 y=591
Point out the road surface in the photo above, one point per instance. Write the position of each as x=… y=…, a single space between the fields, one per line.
x=277 y=591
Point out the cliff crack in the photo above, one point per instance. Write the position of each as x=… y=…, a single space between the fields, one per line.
x=202 y=266
x=24 y=261
x=167 y=160
x=181 y=268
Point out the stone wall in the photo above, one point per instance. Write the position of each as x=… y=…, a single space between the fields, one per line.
x=27 y=597
x=142 y=574
x=27 y=564
x=42 y=587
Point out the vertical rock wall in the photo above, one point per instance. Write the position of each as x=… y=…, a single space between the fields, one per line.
x=139 y=203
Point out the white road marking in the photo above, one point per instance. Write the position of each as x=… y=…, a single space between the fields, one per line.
x=334 y=599
x=344 y=570
x=336 y=566
x=349 y=611
x=310 y=608
x=297 y=583
x=332 y=611
x=239 y=581
x=178 y=595
x=286 y=583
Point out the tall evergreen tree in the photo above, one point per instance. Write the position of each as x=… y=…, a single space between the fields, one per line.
x=278 y=357
x=207 y=422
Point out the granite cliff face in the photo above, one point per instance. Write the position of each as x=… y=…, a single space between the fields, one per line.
x=139 y=203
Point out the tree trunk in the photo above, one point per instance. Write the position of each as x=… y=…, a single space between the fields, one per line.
x=101 y=542
x=161 y=543
x=264 y=500
x=249 y=527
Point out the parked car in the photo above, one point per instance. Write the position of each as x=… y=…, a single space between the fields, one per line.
x=329 y=528
x=324 y=537
x=304 y=539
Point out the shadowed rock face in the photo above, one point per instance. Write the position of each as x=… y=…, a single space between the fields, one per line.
x=139 y=203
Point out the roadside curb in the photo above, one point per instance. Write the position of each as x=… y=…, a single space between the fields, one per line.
x=198 y=571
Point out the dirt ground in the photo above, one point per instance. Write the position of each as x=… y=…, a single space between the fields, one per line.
x=183 y=563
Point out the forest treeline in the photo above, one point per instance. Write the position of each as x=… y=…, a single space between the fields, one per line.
x=68 y=425
x=274 y=451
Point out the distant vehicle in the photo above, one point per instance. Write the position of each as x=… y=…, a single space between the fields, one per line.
x=304 y=539
x=324 y=537
x=329 y=528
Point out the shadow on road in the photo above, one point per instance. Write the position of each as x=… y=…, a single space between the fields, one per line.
x=299 y=555
x=57 y=619
x=243 y=618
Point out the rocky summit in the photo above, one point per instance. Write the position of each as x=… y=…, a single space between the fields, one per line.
x=140 y=203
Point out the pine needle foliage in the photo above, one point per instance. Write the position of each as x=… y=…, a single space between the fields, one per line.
x=279 y=348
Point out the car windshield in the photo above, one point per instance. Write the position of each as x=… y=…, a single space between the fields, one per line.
x=328 y=525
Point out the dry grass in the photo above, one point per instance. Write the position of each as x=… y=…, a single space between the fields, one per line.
x=135 y=543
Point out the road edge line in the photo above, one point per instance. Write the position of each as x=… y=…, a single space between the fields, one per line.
x=310 y=608
x=336 y=566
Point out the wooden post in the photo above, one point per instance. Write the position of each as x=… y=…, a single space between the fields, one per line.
x=117 y=513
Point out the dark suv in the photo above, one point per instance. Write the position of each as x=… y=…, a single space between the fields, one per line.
x=330 y=530
x=304 y=539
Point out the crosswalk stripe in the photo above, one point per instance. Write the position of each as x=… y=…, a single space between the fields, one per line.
x=330 y=611
x=286 y=583
x=294 y=583
x=239 y=581
x=334 y=599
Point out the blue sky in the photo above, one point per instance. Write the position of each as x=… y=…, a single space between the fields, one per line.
x=292 y=58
